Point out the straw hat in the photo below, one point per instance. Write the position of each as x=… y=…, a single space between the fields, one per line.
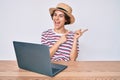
x=64 y=8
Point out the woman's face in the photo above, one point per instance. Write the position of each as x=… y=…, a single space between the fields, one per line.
x=59 y=19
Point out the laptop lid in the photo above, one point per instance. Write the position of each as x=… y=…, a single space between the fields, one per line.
x=34 y=57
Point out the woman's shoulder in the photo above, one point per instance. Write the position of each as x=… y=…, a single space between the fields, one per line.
x=47 y=31
x=71 y=32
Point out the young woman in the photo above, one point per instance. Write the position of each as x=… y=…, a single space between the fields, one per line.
x=63 y=44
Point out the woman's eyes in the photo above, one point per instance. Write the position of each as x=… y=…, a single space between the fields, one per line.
x=60 y=15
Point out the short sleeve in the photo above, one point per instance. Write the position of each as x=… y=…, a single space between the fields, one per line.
x=44 y=39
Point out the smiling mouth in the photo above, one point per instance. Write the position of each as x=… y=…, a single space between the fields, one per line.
x=57 y=23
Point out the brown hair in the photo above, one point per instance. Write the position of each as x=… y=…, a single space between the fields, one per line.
x=66 y=17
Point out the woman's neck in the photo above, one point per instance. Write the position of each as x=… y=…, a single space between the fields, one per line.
x=61 y=31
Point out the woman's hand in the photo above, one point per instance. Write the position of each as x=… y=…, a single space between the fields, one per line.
x=79 y=33
x=63 y=38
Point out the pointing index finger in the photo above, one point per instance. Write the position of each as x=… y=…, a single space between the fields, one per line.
x=84 y=30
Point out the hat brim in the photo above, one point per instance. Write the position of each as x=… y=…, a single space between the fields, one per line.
x=72 y=19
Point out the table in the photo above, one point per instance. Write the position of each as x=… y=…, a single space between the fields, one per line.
x=77 y=70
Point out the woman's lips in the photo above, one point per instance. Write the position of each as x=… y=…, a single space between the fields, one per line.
x=57 y=23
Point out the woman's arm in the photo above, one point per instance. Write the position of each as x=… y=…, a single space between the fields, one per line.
x=55 y=47
x=74 y=52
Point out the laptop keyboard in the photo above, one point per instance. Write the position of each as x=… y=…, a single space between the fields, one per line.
x=55 y=68
x=58 y=66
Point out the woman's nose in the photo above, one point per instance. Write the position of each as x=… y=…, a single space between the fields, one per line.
x=56 y=17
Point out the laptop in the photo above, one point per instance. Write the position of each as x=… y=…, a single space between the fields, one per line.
x=36 y=58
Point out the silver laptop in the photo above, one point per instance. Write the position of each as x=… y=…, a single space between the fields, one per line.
x=36 y=58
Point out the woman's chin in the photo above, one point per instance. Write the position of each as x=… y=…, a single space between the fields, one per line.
x=57 y=26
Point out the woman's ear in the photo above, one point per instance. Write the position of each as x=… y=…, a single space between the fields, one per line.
x=65 y=20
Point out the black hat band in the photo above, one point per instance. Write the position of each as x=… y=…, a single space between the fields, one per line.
x=61 y=9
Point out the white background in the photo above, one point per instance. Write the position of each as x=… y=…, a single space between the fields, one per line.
x=25 y=20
